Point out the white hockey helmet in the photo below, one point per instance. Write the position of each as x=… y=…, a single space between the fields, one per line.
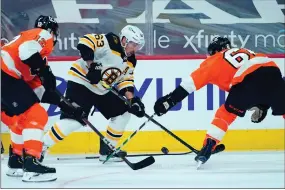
x=133 y=35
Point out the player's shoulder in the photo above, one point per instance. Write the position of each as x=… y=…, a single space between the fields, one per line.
x=217 y=57
x=37 y=32
x=115 y=43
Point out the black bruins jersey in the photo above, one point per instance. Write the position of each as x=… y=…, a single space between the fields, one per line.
x=117 y=68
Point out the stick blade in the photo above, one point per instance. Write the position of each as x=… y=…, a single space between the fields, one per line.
x=141 y=164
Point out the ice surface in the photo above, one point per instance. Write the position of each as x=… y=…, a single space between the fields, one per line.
x=224 y=170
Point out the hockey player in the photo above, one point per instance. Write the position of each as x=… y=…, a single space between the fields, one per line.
x=26 y=79
x=109 y=58
x=252 y=79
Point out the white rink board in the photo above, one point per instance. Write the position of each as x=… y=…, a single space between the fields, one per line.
x=165 y=72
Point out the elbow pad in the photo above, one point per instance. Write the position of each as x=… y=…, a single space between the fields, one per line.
x=35 y=62
x=86 y=53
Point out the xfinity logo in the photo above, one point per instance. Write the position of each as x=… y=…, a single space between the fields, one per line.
x=269 y=12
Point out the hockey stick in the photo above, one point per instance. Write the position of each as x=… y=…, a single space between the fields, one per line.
x=219 y=148
x=135 y=166
x=131 y=136
x=132 y=155
x=150 y=118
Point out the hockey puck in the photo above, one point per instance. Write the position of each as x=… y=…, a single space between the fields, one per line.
x=122 y=154
x=164 y=150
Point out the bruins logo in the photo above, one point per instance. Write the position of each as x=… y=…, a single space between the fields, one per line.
x=110 y=75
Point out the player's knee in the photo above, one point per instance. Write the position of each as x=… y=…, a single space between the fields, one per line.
x=224 y=114
x=121 y=120
x=117 y=126
x=33 y=122
x=60 y=130
x=120 y=110
x=35 y=117
x=68 y=116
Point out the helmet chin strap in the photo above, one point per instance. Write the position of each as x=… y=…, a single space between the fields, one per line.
x=124 y=46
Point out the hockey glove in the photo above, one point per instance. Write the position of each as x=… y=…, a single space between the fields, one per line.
x=47 y=78
x=72 y=110
x=163 y=104
x=259 y=114
x=136 y=107
x=94 y=73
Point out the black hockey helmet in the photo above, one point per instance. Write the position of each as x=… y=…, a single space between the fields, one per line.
x=48 y=23
x=218 y=44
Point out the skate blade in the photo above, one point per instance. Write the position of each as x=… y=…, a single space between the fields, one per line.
x=36 y=177
x=15 y=172
x=113 y=159
x=199 y=164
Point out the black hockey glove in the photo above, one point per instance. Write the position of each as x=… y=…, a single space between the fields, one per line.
x=94 y=73
x=259 y=113
x=47 y=78
x=72 y=110
x=165 y=103
x=136 y=107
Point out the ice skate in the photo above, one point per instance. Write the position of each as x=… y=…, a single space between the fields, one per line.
x=105 y=151
x=15 y=164
x=44 y=153
x=34 y=171
x=205 y=152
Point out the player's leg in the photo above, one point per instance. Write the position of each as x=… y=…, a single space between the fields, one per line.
x=268 y=91
x=15 y=162
x=76 y=94
x=239 y=99
x=277 y=96
x=115 y=109
x=215 y=133
x=32 y=118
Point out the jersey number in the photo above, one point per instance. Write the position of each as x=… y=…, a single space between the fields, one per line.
x=41 y=41
x=237 y=59
x=99 y=39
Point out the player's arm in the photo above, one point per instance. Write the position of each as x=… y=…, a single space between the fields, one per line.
x=126 y=88
x=126 y=85
x=87 y=47
x=31 y=53
x=195 y=81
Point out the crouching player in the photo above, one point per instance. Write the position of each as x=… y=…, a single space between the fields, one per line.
x=109 y=58
x=253 y=81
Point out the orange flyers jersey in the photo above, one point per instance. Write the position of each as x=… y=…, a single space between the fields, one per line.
x=226 y=68
x=23 y=47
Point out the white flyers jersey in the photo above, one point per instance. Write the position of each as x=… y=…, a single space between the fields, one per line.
x=117 y=68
